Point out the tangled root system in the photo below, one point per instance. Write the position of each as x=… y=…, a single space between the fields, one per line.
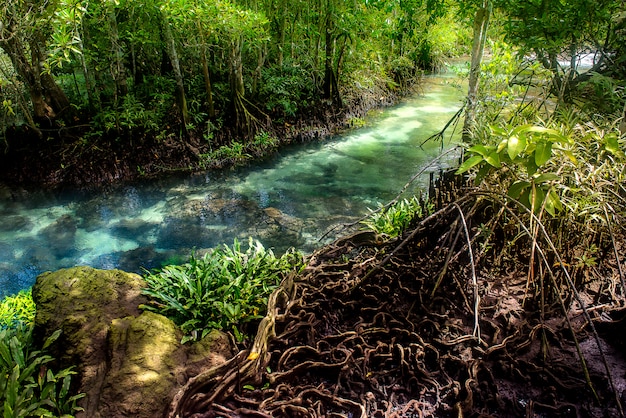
x=414 y=326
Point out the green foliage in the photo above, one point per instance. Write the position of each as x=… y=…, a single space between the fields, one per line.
x=522 y=149
x=130 y=116
x=263 y=143
x=235 y=153
x=396 y=218
x=28 y=388
x=286 y=89
x=602 y=94
x=16 y=310
x=222 y=290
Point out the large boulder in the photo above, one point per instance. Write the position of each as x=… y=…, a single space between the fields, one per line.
x=129 y=363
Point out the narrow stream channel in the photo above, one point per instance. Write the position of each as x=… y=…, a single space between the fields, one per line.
x=288 y=201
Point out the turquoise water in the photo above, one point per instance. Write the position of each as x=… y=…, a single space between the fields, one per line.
x=291 y=200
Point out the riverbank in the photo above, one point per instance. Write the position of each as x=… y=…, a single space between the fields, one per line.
x=69 y=160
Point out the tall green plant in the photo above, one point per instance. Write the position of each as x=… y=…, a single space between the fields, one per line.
x=222 y=290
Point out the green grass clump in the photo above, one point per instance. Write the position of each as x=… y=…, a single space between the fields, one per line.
x=224 y=289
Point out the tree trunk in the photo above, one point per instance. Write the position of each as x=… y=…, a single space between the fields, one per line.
x=281 y=35
x=242 y=116
x=181 y=99
x=117 y=64
x=481 y=23
x=329 y=52
x=47 y=98
x=207 y=84
x=256 y=75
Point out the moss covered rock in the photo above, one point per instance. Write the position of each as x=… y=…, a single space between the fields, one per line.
x=129 y=363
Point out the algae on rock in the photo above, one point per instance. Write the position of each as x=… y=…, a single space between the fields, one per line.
x=129 y=363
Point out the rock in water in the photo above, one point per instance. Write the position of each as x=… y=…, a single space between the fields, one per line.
x=129 y=363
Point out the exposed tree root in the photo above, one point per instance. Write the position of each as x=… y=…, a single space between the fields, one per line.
x=411 y=327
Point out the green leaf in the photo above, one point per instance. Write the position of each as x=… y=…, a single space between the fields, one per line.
x=570 y=155
x=493 y=159
x=469 y=163
x=484 y=170
x=516 y=144
x=531 y=167
x=55 y=335
x=545 y=177
x=553 y=203
x=539 y=196
x=480 y=149
x=517 y=188
x=502 y=145
x=543 y=152
x=497 y=131
x=17 y=352
x=612 y=145
x=552 y=134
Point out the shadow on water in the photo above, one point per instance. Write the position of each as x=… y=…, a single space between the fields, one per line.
x=288 y=201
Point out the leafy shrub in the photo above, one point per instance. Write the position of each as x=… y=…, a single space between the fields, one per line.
x=396 y=218
x=555 y=174
x=222 y=290
x=529 y=148
x=286 y=89
x=129 y=116
x=18 y=309
x=403 y=70
x=28 y=388
x=233 y=153
x=263 y=144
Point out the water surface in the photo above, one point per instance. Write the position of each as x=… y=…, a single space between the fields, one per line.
x=290 y=200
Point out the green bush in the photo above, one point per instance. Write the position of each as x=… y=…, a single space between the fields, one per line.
x=128 y=117
x=556 y=172
x=18 y=309
x=222 y=290
x=396 y=218
x=28 y=388
x=286 y=89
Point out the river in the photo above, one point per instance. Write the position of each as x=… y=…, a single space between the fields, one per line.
x=291 y=200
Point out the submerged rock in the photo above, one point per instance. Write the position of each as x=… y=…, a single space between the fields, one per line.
x=129 y=363
x=61 y=234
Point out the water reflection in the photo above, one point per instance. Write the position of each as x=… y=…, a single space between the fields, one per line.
x=288 y=201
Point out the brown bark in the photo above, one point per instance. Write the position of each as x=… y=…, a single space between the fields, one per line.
x=481 y=23
x=117 y=64
x=47 y=98
x=181 y=99
x=207 y=84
